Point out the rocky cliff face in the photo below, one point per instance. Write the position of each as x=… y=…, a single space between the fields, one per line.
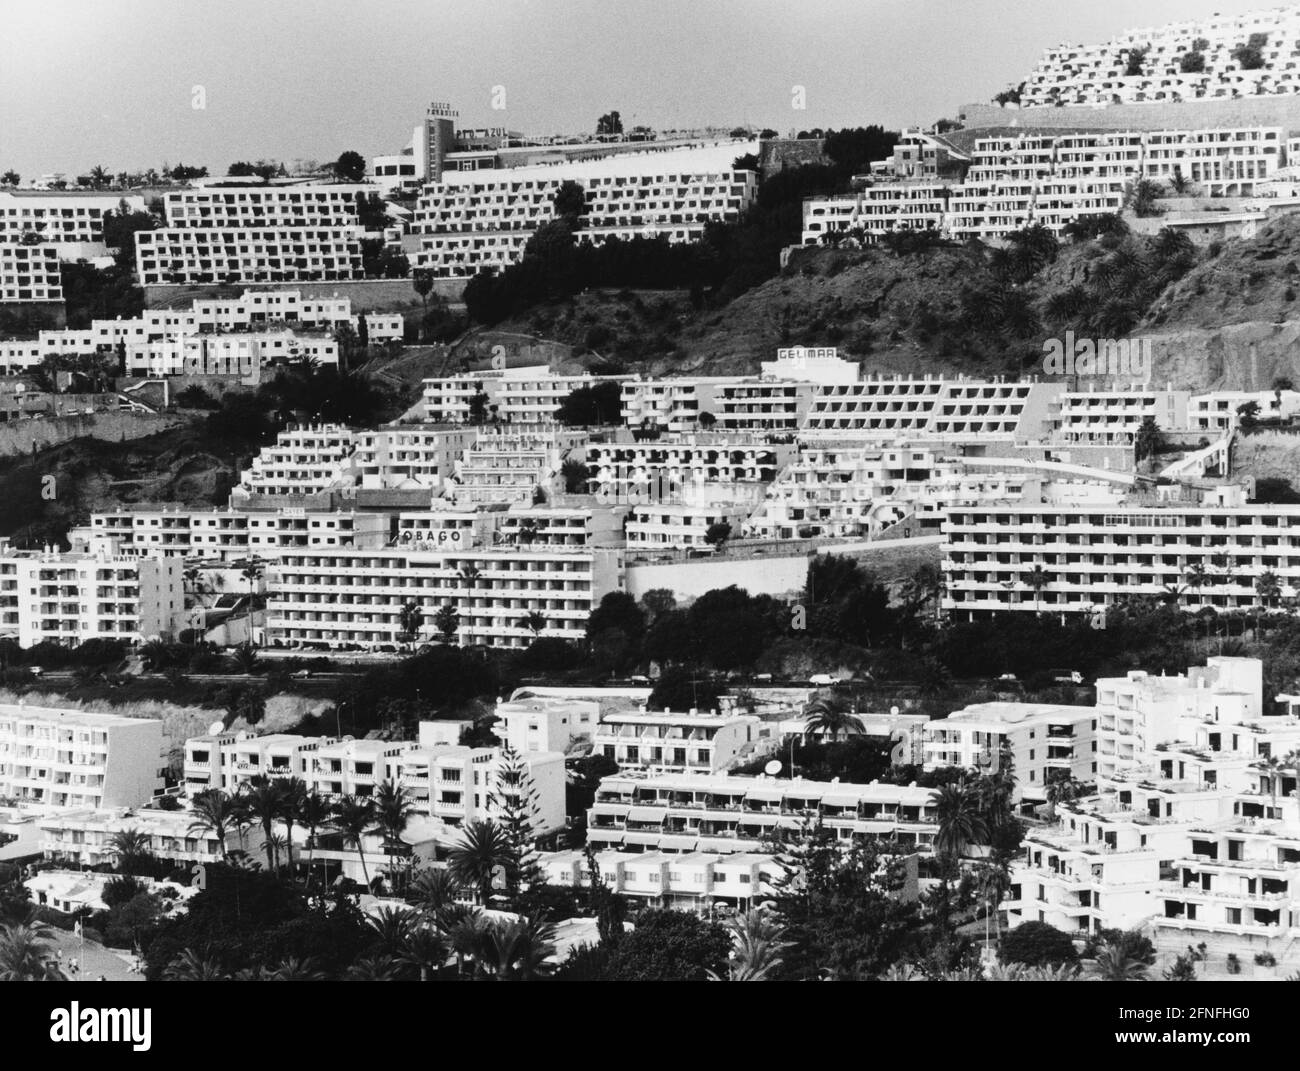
x=1233 y=322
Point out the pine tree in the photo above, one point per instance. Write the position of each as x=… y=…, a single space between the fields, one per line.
x=517 y=803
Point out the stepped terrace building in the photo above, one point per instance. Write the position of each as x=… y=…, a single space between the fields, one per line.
x=509 y=464
x=70 y=597
x=474 y=220
x=1180 y=61
x=625 y=470
x=331 y=599
x=304 y=459
x=727 y=814
x=1195 y=831
x=521 y=395
x=1079 y=557
x=409 y=456
x=57 y=757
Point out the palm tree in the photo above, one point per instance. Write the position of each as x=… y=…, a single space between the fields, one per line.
x=1061 y=788
x=483 y=850
x=828 y=716
x=434 y=891
x=1269 y=589
x=390 y=927
x=212 y=814
x=758 y=947
x=515 y=950
x=534 y=622
x=426 y=950
x=252 y=572
x=994 y=882
x=1037 y=579
x=128 y=846
x=242 y=818
x=373 y=969
x=313 y=813
x=410 y=621
x=189 y=966
x=465 y=929
x=293 y=794
x=25 y=955
x=293 y=969
x=353 y=819
x=1116 y=962
x=961 y=825
x=469 y=576
x=263 y=796
x=393 y=810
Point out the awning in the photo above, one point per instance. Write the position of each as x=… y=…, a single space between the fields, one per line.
x=611 y=837
x=618 y=810
x=646 y=840
x=840 y=801
x=767 y=795
x=646 y=814
x=679 y=844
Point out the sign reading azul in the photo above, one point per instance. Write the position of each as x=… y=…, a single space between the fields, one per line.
x=803 y=353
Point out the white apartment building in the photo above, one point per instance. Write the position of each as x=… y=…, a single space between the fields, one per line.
x=697 y=741
x=244 y=354
x=254 y=233
x=1021 y=179
x=1217 y=411
x=1115 y=416
x=1097 y=74
x=228 y=761
x=473 y=220
x=331 y=598
x=625 y=470
x=508 y=465
x=820 y=365
x=684 y=881
x=682 y=525
x=1194 y=833
x=727 y=814
x=1038 y=739
x=229 y=534
x=409 y=456
x=1084 y=556
x=454 y=785
x=447 y=528
x=203 y=255
x=750 y=406
x=84 y=838
x=305 y=459
x=62 y=219
x=530 y=724
x=29 y=273
x=70 y=598
x=526 y=394
x=62 y=758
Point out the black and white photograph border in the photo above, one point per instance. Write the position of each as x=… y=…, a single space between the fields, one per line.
x=555 y=491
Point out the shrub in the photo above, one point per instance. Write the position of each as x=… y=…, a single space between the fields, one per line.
x=1265 y=959
x=1036 y=944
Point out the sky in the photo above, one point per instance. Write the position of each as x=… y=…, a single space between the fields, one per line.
x=115 y=82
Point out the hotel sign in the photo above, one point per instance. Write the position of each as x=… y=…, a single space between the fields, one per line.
x=803 y=353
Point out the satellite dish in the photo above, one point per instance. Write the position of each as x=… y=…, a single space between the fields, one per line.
x=216 y=727
x=773 y=768
x=893 y=711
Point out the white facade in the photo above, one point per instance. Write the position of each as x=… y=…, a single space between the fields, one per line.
x=70 y=598
x=691 y=742
x=62 y=758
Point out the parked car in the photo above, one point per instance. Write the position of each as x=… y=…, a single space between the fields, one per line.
x=1067 y=676
x=1007 y=677
x=823 y=680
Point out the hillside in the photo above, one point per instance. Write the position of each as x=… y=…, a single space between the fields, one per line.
x=182 y=465
x=951 y=309
x=1232 y=322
